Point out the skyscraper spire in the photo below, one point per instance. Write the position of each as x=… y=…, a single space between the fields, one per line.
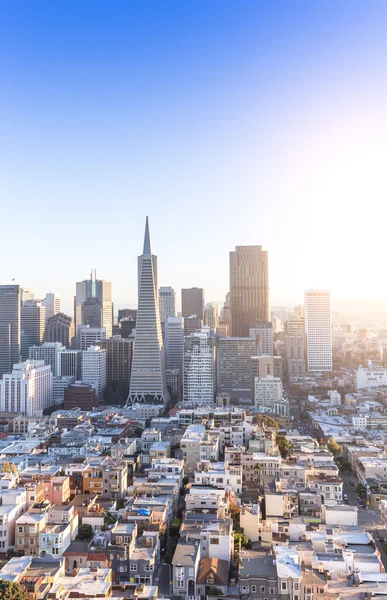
x=148 y=381
x=147 y=245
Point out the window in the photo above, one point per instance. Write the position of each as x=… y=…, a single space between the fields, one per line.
x=133 y=567
x=253 y=588
x=296 y=586
x=263 y=589
x=20 y=529
x=284 y=585
x=214 y=541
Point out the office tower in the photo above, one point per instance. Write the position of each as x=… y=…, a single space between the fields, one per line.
x=148 y=367
x=59 y=385
x=263 y=333
x=95 y=288
x=10 y=301
x=192 y=302
x=127 y=326
x=59 y=328
x=174 y=377
x=80 y=395
x=91 y=312
x=199 y=368
x=50 y=353
x=32 y=318
x=167 y=303
x=90 y=336
x=70 y=364
x=262 y=366
x=52 y=305
x=318 y=330
x=119 y=354
x=233 y=363
x=127 y=313
x=94 y=368
x=225 y=316
x=27 y=390
x=211 y=315
x=294 y=329
x=192 y=323
x=249 y=288
x=174 y=343
x=268 y=393
x=26 y=294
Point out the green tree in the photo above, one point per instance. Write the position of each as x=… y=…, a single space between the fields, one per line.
x=241 y=540
x=284 y=445
x=333 y=447
x=85 y=532
x=109 y=519
x=265 y=420
x=361 y=490
x=175 y=527
x=12 y=591
x=185 y=479
x=120 y=503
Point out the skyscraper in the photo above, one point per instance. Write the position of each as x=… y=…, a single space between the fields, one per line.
x=33 y=318
x=249 y=288
x=318 y=330
x=199 y=368
x=28 y=389
x=94 y=368
x=174 y=343
x=52 y=305
x=295 y=345
x=148 y=366
x=211 y=315
x=95 y=288
x=263 y=333
x=167 y=303
x=233 y=362
x=192 y=302
x=91 y=312
x=119 y=352
x=59 y=328
x=10 y=303
x=50 y=353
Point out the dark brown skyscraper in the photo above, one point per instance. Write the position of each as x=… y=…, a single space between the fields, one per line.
x=249 y=288
x=192 y=302
x=59 y=328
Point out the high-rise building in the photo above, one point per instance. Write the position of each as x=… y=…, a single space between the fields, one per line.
x=127 y=313
x=192 y=302
x=10 y=302
x=174 y=343
x=167 y=303
x=199 y=368
x=148 y=379
x=268 y=393
x=192 y=323
x=94 y=368
x=33 y=319
x=318 y=330
x=26 y=294
x=50 y=353
x=211 y=315
x=59 y=328
x=95 y=288
x=91 y=312
x=28 y=389
x=90 y=336
x=249 y=288
x=71 y=363
x=119 y=354
x=234 y=365
x=263 y=333
x=127 y=326
x=52 y=305
x=294 y=329
x=225 y=315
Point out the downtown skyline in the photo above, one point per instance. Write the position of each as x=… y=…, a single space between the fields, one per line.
x=268 y=122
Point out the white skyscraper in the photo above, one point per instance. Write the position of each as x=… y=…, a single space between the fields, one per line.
x=90 y=336
x=174 y=343
x=199 y=368
x=148 y=379
x=28 y=389
x=50 y=353
x=318 y=330
x=52 y=305
x=167 y=303
x=94 y=368
x=263 y=333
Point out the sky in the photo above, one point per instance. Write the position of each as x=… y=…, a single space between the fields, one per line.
x=227 y=122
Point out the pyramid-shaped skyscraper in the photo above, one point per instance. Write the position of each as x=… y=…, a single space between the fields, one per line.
x=148 y=380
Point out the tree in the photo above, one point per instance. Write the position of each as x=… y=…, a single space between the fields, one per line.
x=333 y=447
x=109 y=519
x=12 y=591
x=361 y=490
x=185 y=480
x=120 y=503
x=265 y=420
x=284 y=445
x=241 y=540
x=85 y=532
x=235 y=513
x=175 y=527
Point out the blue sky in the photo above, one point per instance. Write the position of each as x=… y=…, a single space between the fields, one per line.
x=228 y=123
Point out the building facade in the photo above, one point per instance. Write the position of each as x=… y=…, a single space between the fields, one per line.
x=318 y=329
x=119 y=355
x=94 y=368
x=249 y=288
x=233 y=364
x=59 y=328
x=192 y=302
x=28 y=389
x=199 y=368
